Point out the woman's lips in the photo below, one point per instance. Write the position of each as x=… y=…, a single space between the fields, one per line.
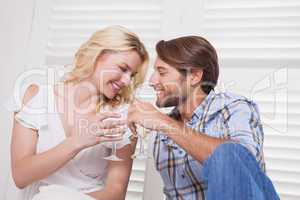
x=115 y=86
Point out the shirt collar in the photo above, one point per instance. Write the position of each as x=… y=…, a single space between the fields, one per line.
x=213 y=103
x=198 y=112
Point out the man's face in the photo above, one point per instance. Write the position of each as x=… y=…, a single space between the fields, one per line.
x=169 y=84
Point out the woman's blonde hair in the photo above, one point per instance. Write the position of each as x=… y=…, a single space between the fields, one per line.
x=111 y=39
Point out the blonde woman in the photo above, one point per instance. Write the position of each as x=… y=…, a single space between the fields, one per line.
x=62 y=152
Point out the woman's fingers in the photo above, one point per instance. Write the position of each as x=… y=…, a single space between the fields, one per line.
x=105 y=115
x=109 y=120
x=94 y=140
x=111 y=123
x=113 y=139
x=111 y=132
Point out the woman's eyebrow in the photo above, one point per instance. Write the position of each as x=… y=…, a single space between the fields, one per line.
x=127 y=66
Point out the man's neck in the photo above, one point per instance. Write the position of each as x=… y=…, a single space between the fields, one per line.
x=191 y=103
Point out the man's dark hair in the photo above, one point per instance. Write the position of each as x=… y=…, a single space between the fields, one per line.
x=189 y=52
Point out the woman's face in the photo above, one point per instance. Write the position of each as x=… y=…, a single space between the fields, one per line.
x=113 y=71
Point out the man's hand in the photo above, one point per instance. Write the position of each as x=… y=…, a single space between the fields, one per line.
x=147 y=116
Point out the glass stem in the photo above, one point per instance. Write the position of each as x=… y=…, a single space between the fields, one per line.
x=141 y=145
x=114 y=149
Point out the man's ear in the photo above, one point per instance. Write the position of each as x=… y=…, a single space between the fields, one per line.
x=196 y=76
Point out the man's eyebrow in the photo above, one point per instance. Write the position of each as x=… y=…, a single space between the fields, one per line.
x=160 y=67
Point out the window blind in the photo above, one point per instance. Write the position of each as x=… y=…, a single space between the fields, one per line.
x=259 y=44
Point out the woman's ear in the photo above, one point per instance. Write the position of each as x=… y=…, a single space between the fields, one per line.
x=196 y=76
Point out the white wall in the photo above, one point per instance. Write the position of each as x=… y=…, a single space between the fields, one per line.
x=16 y=19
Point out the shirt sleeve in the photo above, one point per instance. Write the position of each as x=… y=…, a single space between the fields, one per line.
x=244 y=126
x=32 y=115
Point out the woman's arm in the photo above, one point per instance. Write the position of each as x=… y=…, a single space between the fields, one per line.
x=118 y=176
x=27 y=166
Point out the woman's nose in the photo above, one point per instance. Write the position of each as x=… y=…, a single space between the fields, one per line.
x=126 y=78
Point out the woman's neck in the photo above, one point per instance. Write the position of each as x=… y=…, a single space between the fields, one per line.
x=81 y=95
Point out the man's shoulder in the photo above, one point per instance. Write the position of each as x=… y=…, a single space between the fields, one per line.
x=229 y=100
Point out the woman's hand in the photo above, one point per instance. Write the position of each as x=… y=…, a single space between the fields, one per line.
x=107 y=127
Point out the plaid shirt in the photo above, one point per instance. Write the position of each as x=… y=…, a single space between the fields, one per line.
x=222 y=115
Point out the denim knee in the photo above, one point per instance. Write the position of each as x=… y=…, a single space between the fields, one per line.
x=226 y=154
x=228 y=151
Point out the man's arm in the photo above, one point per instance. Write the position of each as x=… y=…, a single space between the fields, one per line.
x=244 y=127
x=199 y=145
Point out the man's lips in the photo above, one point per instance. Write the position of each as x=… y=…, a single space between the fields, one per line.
x=159 y=92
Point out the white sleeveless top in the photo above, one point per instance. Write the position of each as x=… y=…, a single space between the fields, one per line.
x=87 y=171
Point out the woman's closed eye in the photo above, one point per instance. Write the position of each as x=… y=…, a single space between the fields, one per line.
x=124 y=69
x=133 y=74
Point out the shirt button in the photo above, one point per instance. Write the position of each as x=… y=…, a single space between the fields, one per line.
x=182 y=176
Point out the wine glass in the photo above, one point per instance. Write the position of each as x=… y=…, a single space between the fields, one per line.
x=141 y=135
x=113 y=144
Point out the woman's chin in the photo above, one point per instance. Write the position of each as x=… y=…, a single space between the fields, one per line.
x=110 y=95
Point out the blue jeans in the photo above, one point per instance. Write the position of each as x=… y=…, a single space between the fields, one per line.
x=232 y=173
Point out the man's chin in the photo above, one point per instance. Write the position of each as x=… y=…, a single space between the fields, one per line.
x=159 y=104
x=166 y=103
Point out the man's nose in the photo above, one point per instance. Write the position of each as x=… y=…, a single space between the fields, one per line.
x=153 y=79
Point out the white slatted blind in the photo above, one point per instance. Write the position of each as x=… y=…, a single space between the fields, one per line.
x=259 y=48
x=73 y=21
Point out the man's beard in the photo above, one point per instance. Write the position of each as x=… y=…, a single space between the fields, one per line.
x=171 y=101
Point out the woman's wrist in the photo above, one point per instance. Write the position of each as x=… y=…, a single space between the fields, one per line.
x=72 y=147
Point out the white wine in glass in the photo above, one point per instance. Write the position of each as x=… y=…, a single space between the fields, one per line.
x=141 y=134
x=113 y=155
x=113 y=144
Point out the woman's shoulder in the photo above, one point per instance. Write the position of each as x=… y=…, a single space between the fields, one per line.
x=30 y=105
x=30 y=92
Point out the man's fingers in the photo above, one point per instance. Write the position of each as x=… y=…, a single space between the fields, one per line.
x=98 y=139
x=132 y=127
